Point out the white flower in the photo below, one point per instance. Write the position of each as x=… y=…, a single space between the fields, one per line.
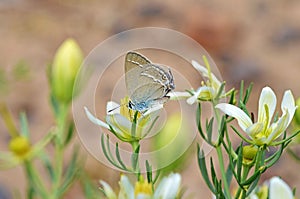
x=276 y=188
x=279 y=189
x=264 y=131
x=120 y=119
x=209 y=89
x=168 y=188
x=215 y=83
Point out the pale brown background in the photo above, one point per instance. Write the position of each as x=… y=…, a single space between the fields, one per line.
x=258 y=41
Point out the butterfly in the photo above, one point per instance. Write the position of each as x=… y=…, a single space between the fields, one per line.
x=147 y=84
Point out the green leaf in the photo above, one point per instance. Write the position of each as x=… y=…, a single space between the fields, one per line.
x=254 y=177
x=273 y=159
x=248 y=92
x=241 y=136
x=241 y=92
x=244 y=108
x=203 y=169
x=220 y=91
x=24 y=125
x=213 y=174
x=198 y=121
x=286 y=140
x=34 y=180
x=222 y=130
x=72 y=173
x=70 y=133
x=252 y=186
x=239 y=163
x=209 y=130
x=259 y=159
x=232 y=97
x=107 y=152
x=90 y=190
x=229 y=174
x=30 y=192
x=47 y=164
x=119 y=157
x=149 y=172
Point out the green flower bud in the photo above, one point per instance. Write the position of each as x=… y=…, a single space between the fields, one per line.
x=249 y=153
x=20 y=146
x=66 y=64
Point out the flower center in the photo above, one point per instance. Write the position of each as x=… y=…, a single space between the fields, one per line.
x=143 y=187
x=127 y=112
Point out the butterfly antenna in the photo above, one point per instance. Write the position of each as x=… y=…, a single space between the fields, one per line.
x=114 y=109
x=109 y=111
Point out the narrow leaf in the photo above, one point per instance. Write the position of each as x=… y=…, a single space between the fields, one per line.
x=202 y=166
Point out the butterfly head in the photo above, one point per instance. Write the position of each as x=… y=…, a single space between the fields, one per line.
x=168 y=81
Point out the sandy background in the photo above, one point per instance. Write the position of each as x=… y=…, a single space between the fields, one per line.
x=258 y=41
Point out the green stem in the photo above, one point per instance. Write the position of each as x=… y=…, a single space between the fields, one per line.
x=241 y=193
x=217 y=116
x=134 y=145
x=135 y=154
x=34 y=180
x=59 y=150
x=220 y=153
x=223 y=172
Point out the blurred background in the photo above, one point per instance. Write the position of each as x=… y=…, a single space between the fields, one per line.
x=256 y=41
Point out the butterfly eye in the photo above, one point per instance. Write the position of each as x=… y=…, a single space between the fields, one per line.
x=164 y=77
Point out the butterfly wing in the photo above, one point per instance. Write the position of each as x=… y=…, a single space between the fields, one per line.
x=147 y=84
x=134 y=63
x=147 y=93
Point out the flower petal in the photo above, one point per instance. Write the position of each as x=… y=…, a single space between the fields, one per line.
x=112 y=108
x=143 y=196
x=203 y=70
x=120 y=124
x=288 y=104
x=278 y=128
x=255 y=129
x=193 y=99
x=243 y=119
x=178 y=95
x=204 y=92
x=109 y=193
x=127 y=190
x=267 y=97
x=168 y=187
x=94 y=119
x=279 y=189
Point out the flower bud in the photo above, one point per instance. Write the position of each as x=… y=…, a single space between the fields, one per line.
x=249 y=153
x=20 y=146
x=66 y=64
